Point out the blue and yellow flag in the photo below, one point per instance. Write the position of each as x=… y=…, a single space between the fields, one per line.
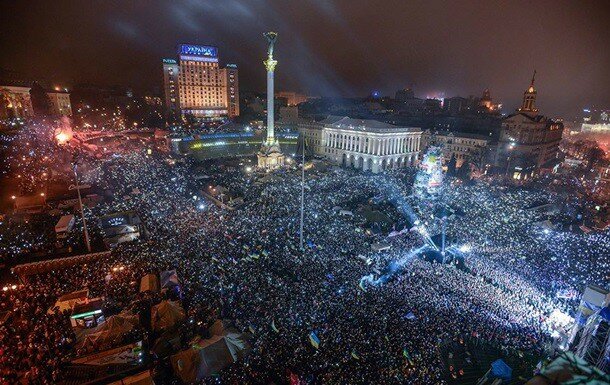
x=315 y=341
x=355 y=355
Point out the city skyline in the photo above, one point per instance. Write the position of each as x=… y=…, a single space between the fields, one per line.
x=329 y=49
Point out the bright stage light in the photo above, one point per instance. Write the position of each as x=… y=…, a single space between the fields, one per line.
x=62 y=138
x=465 y=248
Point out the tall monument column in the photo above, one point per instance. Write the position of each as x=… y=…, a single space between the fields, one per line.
x=270 y=64
x=270 y=156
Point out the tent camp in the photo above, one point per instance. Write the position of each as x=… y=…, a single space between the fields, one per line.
x=111 y=332
x=166 y=315
x=150 y=282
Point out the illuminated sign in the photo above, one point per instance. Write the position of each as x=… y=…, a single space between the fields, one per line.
x=169 y=61
x=198 y=50
x=231 y=65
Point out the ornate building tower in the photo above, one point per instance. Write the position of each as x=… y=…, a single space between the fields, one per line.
x=270 y=155
x=529 y=98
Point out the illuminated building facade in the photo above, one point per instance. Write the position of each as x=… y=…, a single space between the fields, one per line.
x=464 y=147
x=15 y=102
x=368 y=145
x=196 y=85
x=528 y=141
x=596 y=121
x=59 y=103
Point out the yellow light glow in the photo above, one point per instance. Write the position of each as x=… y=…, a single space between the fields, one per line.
x=62 y=138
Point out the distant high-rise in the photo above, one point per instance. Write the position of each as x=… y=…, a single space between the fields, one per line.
x=170 y=84
x=404 y=94
x=197 y=86
x=59 y=103
x=231 y=81
x=292 y=98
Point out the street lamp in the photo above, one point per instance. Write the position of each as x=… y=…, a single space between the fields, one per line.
x=510 y=148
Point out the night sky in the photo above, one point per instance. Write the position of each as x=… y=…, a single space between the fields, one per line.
x=343 y=48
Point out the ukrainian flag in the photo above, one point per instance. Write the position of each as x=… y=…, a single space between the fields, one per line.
x=315 y=341
x=356 y=356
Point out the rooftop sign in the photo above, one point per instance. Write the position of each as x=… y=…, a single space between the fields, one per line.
x=198 y=50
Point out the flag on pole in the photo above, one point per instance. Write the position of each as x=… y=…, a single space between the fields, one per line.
x=355 y=355
x=315 y=341
x=410 y=316
x=251 y=328
x=405 y=353
x=275 y=329
x=361 y=286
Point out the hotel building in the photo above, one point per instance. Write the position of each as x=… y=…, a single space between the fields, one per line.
x=196 y=85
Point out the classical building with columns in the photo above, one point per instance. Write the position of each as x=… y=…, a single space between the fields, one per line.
x=368 y=145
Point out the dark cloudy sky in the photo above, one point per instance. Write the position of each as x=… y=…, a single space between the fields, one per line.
x=343 y=48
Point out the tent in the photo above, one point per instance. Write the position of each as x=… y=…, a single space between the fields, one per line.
x=169 y=279
x=166 y=315
x=499 y=369
x=111 y=331
x=167 y=343
x=67 y=301
x=236 y=342
x=205 y=358
x=150 y=282
x=208 y=357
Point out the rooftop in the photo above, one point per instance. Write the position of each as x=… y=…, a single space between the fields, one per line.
x=346 y=123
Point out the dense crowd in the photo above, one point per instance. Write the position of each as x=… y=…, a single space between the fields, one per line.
x=246 y=265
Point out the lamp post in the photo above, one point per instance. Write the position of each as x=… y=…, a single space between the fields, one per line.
x=80 y=203
x=510 y=148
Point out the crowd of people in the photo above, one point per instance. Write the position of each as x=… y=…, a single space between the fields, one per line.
x=246 y=265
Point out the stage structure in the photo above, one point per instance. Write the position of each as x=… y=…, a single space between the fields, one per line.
x=594 y=344
x=594 y=299
x=429 y=178
x=270 y=155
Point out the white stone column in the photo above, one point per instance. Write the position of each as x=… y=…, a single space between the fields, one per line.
x=270 y=65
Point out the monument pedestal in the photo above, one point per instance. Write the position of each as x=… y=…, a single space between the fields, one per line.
x=270 y=156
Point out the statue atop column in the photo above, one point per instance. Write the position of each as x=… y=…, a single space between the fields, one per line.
x=270 y=63
x=271 y=38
